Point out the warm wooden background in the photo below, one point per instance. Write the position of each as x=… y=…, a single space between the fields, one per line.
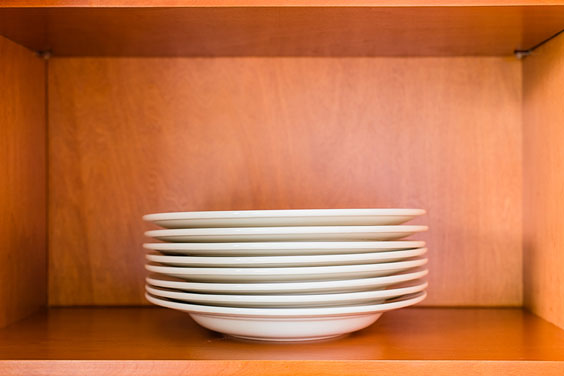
x=383 y=28
x=23 y=186
x=543 y=227
x=132 y=136
x=267 y=3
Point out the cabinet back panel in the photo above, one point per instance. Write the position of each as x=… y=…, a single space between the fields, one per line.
x=130 y=136
x=543 y=120
x=23 y=188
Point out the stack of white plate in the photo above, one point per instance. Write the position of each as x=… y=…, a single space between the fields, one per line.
x=286 y=275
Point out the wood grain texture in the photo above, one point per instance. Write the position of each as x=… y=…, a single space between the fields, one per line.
x=411 y=341
x=543 y=181
x=282 y=31
x=23 y=198
x=280 y=368
x=136 y=136
x=266 y=3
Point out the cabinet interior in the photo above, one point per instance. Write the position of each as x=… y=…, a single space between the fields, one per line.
x=114 y=120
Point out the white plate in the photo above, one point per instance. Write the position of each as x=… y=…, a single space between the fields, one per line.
x=318 y=233
x=287 y=324
x=266 y=218
x=280 y=301
x=281 y=248
x=340 y=286
x=303 y=273
x=286 y=261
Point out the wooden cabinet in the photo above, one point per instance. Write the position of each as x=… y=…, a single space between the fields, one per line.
x=113 y=109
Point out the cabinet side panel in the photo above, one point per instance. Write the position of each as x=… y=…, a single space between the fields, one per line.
x=23 y=280
x=543 y=179
x=132 y=136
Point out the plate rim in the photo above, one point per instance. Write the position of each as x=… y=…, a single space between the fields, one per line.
x=299 y=270
x=401 y=244
x=358 y=282
x=289 y=312
x=284 y=298
x=274 y=260
x=283 y=230
x=281 y=213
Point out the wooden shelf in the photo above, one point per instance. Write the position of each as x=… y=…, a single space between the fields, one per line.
x=138 y=340
x=305 y=28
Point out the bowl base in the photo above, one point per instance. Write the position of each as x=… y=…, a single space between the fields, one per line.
x=287 y=340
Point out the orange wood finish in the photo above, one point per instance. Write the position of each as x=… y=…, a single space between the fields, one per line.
x=481 y=341
x=279 y=368
x=268 y=3
x=23 y=198
x=135 y=136
x=281 y=31
x=543 y=181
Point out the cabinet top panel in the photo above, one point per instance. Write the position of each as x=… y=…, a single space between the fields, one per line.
x=307 y=28
x=269 y=3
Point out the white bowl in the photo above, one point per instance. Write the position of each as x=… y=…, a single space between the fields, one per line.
x=264 y=218
x=280 y=301
x=317 y=287
x=281 y=248
x=286 y=261
x=303 y=273
x=287 y=324
x=316 y=233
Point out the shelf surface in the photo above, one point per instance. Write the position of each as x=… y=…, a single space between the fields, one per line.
x=508 y=337
x=314 y=28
